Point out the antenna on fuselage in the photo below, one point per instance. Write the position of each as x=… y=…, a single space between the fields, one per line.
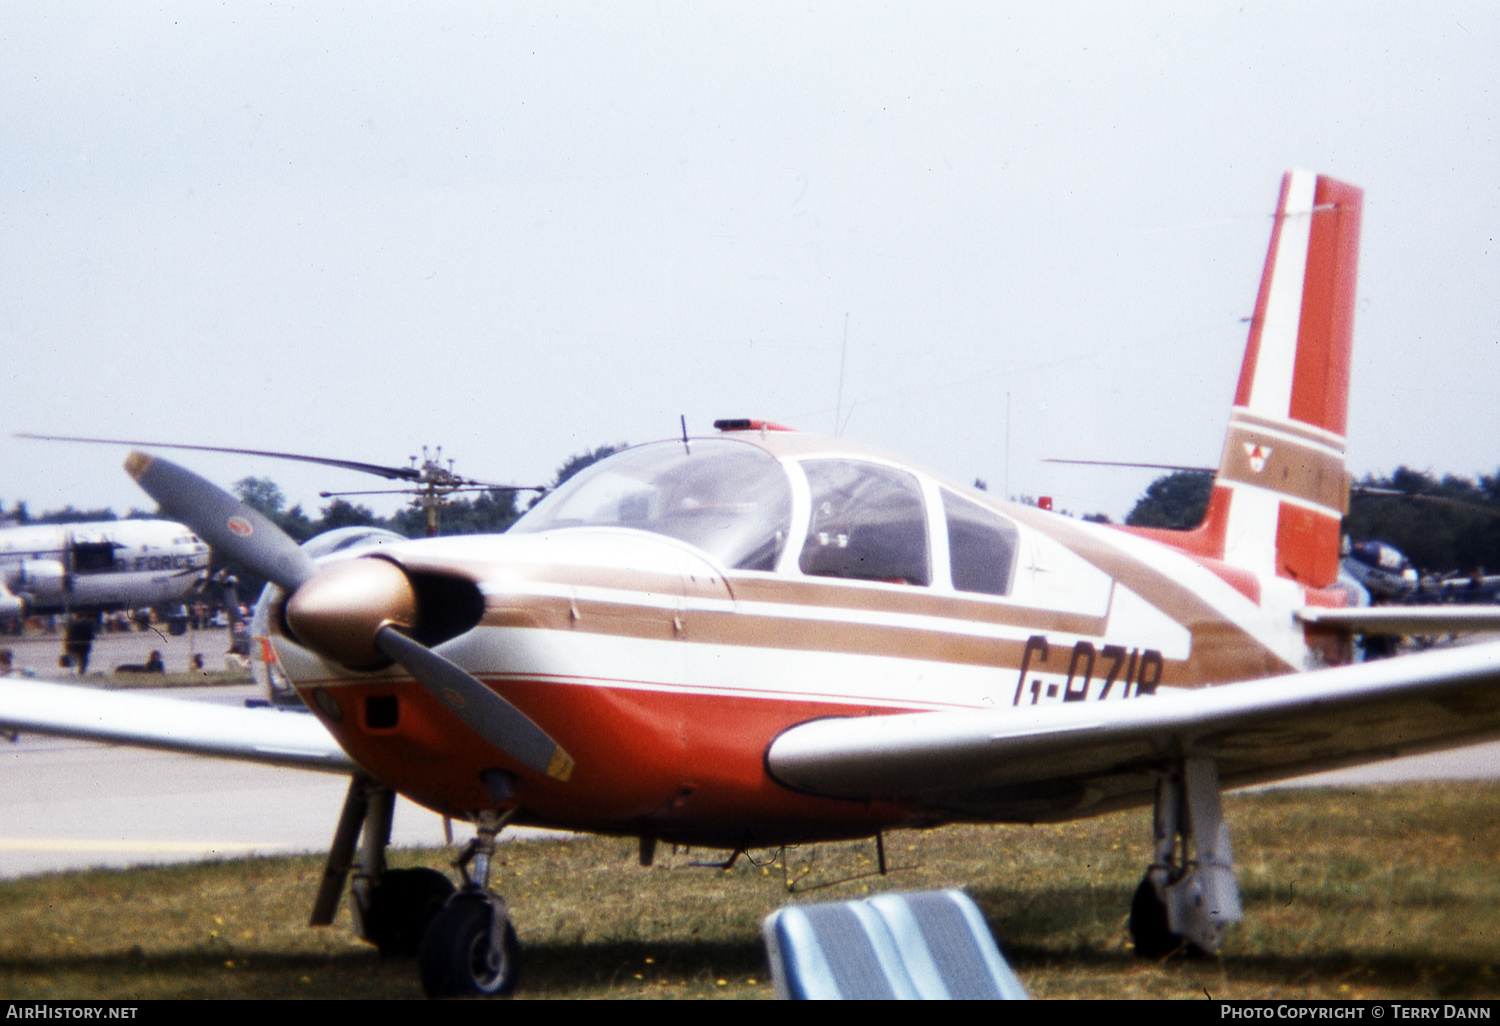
x=686 y=447
x=1006 y=496
x=838 y=406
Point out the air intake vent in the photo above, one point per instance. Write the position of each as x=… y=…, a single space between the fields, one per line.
x=447 y=606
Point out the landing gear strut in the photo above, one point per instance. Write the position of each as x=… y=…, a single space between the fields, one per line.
x=392 y=908
x=464 y=941
x=1190 y=896
x=470 y=949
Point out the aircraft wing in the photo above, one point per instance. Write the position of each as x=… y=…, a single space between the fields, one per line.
x=269 y=736
x=1446 y=619
x=1032 y=764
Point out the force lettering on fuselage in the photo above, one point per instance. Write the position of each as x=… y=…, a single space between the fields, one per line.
x=173 y=561
x=1091 y=673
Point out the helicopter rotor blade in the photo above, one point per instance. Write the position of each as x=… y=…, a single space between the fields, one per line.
x=392 y=473
x=446 y=480
x=1144 y=466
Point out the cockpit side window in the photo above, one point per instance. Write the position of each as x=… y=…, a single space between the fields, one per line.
x=981 y=547
x=868 y=523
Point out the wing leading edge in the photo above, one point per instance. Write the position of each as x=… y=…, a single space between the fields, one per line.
x=1059 y=762
x=1445 y=619
x=266 y=736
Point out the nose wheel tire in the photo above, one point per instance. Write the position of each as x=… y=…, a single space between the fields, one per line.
x=470 y=950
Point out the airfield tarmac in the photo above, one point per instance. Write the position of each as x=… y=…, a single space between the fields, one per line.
x=73 y=804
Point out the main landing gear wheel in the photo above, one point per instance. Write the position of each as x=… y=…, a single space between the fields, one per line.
x=402 y=907
x=1189 y=897
x=1148 y=923
x=470 y=949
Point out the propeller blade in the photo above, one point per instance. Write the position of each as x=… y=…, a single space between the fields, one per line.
x=248 y=536
x=236 y=530
x=489 y=715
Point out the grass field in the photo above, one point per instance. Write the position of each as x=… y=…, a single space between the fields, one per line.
x=192 y=678
x=1388 y=892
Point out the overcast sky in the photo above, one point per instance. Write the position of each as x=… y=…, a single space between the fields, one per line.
x=524 y=230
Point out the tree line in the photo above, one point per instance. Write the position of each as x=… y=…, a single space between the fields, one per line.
x=1442 y=524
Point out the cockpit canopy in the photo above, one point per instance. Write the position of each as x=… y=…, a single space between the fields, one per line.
x=867 y=521
x=728 y=498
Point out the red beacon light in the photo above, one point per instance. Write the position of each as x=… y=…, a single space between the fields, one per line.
x=746 y=424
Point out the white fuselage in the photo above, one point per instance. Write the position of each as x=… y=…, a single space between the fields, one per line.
x=103 y=564
x=669 y=613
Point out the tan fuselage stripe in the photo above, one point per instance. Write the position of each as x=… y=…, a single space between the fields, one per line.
x=1222 y=650
x=1314 y=435
x=750 y=630
x=1291 y=468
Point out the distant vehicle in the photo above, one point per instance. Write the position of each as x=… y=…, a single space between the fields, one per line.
x=108 y=564
x=1382 y=569
x=1459 y=589
x=1389 y=577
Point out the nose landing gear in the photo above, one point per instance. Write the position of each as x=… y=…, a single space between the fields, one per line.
x=464 y=941
x=470 y=949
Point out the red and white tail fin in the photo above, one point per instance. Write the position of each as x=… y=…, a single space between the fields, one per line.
x=1281 y=489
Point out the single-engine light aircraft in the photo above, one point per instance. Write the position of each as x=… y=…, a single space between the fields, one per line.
x=767 y=637
x=107 y=564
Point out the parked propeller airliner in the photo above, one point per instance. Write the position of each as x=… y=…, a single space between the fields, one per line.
x=767 y=637
x=107 y=564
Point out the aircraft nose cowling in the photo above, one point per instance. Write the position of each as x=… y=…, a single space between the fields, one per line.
x=340 y=610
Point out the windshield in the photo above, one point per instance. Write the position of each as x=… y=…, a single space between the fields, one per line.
x=730 y=499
